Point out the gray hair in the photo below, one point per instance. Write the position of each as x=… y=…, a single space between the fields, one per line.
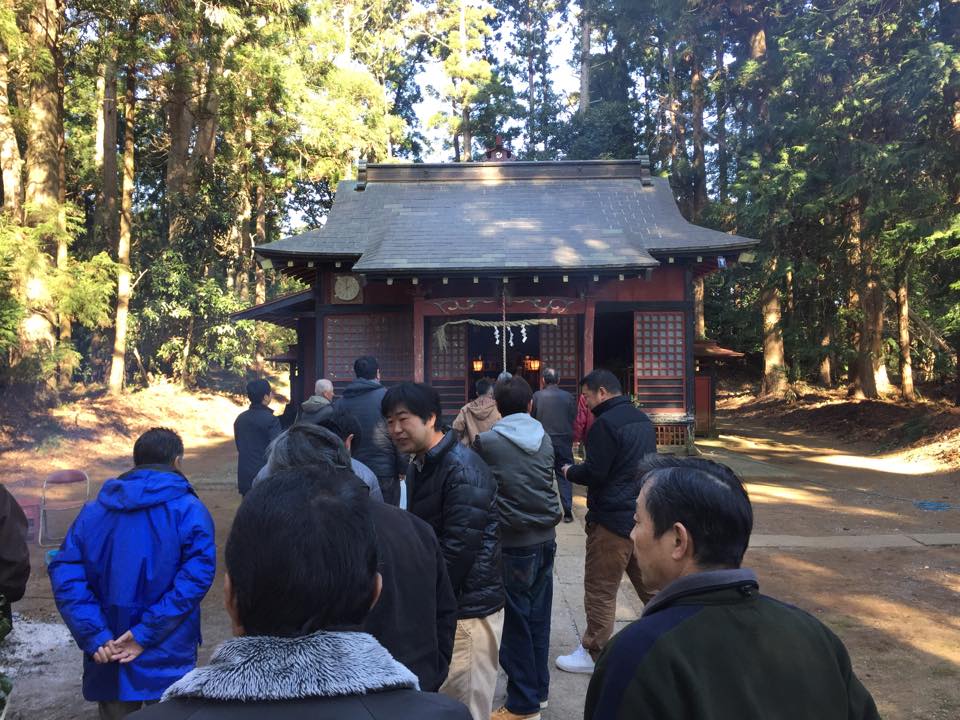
x=322 y=386
x=550 y=376
x=306 y=444
x=504 y=376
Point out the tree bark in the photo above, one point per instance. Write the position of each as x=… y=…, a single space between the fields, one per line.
x=11 y=164
x=774 y=363
x=826 y=360
x=699 y=320
x=723 y=158
x=531 y=85
x=699 y=155
x=64 y=321
x=261 y=281
x=585 y=58
x=179 y=130
x=106 y=151
x=43 y=134
x=118 y=363
x=903 y=327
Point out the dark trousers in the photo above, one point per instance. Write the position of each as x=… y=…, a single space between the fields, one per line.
x=563 y=455
x=525 y=647
x=390 y=487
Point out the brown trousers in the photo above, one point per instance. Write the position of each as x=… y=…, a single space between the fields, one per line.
x=608 y=557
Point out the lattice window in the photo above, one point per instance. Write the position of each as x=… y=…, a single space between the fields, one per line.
x=386 y=336
x=452 y=361
x=559 y=349
x=660 y=351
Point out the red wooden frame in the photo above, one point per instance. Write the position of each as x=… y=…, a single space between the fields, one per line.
x=665 y=360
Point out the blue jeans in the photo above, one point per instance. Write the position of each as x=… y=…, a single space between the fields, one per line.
x=525 y=647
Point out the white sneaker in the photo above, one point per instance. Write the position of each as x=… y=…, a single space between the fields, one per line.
x=579 y=661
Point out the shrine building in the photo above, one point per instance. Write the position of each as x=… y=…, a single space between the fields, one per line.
x=451 y=272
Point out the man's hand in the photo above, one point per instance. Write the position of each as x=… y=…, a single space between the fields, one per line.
x=565 y=468
x=125 y=648
x=102 y=656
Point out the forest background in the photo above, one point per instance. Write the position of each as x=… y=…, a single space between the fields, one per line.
x=146 y=147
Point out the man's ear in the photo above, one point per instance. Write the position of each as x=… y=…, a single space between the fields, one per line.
x=682 y=542
x=377 y=589
x=178 y=462
x=349 y=441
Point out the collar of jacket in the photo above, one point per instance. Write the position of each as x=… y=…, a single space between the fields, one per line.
x=324 y=664
x=260 y=406
x=157 y=467
x=701 y=582
x=435 y=454
x=611 y=403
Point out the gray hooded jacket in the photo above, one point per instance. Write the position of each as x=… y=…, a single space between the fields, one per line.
x=520 y=455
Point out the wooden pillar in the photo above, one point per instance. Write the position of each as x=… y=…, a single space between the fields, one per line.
x=318 y=336
x=418 y=344
x=589 y=316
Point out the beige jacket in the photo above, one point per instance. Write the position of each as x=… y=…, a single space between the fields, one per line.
x=475 y=417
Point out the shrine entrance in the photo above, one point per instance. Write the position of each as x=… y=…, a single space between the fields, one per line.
x=473 y=348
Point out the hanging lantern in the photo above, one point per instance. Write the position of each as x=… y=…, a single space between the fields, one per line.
x=534 y=365
x=478 y=365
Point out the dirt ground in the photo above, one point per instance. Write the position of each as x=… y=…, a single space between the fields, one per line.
x=895 y=608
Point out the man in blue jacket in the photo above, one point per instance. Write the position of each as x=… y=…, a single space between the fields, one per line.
x=130 y=575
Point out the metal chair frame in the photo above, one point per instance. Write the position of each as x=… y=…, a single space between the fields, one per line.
x=60 y=477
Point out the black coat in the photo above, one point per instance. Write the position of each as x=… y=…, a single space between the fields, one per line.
x=362 y=399
x=416 y=616
x=253 y=430
x=556 y=409
x=387 y=705
x=14 y=554
x=455 y=492
x=616 y=443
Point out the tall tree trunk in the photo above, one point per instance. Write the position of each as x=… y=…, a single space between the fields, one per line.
x=64 y=321
x=11 y=164
x=826 y=360
x=260 y=223
x=870 y=370
x=723 y=158
x=118 y=363
x=465 y=153
x=42 y=194
x=531 y=85
x=585 y=58
x=179 y=130
x=903 y=327
x=774 y=362
x=699 y=321
x=106 y=150
x=699 y=155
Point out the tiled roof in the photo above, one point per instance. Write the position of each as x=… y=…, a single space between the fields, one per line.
x=504 y=217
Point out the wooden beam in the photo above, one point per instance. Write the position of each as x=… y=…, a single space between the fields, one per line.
x=419 y=356
x=589 y=318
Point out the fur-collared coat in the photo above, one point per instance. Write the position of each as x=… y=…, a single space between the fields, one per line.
x=323 y=676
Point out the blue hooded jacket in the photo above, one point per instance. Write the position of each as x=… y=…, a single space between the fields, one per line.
x=140 y=558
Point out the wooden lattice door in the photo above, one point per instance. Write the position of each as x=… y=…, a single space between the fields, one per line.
x=560 y=350
x=448 y=367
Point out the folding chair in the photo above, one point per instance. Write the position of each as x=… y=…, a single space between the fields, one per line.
x=64 y=486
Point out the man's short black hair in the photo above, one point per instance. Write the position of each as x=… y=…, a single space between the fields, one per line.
x=302 y=553
x=483 y=386
x=157 y=446
x=420 y=399
x=550 y=376
x=343 y=424
x=513 y=396
x=707 y=498
x=257 y=390
x=601 y=378
x=366 y=367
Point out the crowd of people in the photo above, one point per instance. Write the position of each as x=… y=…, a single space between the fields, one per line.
x=346 y=605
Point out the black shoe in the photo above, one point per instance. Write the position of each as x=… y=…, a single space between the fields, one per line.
x=568 y=517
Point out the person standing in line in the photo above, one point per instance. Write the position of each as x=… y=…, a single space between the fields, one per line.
x=319 y=405
x=14 y=571
x=556 y=410
x=453 y=490
x=619 y=439
x=362 y=399
x=302 y=576
x=709 y=644
x=253 y=430
x=130 y=575
x=521 y=457
x=478 y=415
x=346 y=427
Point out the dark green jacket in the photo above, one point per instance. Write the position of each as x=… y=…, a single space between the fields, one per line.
x=710 y=647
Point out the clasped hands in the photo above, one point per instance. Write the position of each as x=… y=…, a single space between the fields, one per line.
x=123 y=650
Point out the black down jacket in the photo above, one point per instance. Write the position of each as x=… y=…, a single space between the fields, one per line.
x=616 y=444
x=455 y=493
x=362 y=398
